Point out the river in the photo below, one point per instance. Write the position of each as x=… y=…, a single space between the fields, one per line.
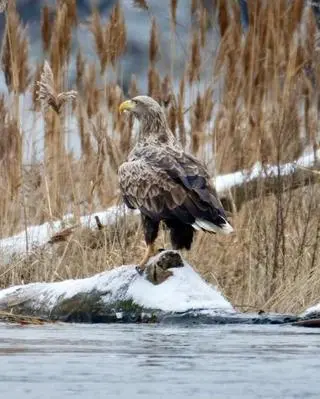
x=155 y=361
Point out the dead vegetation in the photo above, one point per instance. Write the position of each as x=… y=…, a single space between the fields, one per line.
x=255 y=100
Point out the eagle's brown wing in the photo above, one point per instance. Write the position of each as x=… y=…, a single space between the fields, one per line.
x=164 y=183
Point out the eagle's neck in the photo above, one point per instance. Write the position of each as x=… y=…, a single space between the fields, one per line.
x=154 y=128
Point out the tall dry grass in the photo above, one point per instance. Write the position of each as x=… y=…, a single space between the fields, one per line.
x=255 y=100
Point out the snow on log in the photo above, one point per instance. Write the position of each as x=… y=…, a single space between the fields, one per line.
x=37 y=236
x=119 y=295
x=237 y=188
x=312 y=312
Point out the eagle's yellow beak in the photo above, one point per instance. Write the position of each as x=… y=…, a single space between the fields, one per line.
x=126 y=106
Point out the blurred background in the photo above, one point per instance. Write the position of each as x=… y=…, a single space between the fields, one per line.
x=138 y=25
x=135 y=60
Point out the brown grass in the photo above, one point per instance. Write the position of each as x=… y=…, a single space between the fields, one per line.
x=266 y=111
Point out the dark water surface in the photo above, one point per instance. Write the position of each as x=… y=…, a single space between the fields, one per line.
x=154 y=361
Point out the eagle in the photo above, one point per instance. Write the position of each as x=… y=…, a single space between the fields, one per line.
x=166 y=183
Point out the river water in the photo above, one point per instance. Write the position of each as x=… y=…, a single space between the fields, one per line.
x=154 y=361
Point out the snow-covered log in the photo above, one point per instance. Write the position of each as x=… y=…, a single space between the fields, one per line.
x=124 y=296
x=287 y=178
x=313 y=312
x=119 y=295
x=309 y=318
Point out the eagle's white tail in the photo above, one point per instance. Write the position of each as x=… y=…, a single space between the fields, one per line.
x=201 y=224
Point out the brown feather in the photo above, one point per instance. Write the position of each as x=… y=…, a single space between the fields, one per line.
x=164 y=181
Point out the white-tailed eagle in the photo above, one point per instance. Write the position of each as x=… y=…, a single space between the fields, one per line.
x=167 y=184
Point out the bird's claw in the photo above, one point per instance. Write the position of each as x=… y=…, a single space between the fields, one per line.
x=139 y=270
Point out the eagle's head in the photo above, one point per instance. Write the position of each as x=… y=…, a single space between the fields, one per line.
x=153 y=122
x=142 y=107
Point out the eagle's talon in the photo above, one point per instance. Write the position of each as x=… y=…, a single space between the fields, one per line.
x=139 y=270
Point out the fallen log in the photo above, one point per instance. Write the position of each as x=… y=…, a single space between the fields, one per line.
x=119 y=295
x=123 y=296
x=234 y=197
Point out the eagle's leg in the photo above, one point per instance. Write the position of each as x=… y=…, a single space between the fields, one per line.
x=181 y=234
x=150 y=229
x=150 y=251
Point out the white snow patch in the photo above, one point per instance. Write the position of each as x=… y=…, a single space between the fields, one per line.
x=226 y=182
x=183 y=291
x=311 y=310
x=39 y=235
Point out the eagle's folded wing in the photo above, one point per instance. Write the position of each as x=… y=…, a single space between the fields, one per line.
x=164 y=184
x=150 y=189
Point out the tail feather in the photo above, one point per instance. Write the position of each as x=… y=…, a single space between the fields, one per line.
x=224 y=227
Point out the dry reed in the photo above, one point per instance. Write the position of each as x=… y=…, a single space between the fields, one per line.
x=47 y=94
x=266 y=111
